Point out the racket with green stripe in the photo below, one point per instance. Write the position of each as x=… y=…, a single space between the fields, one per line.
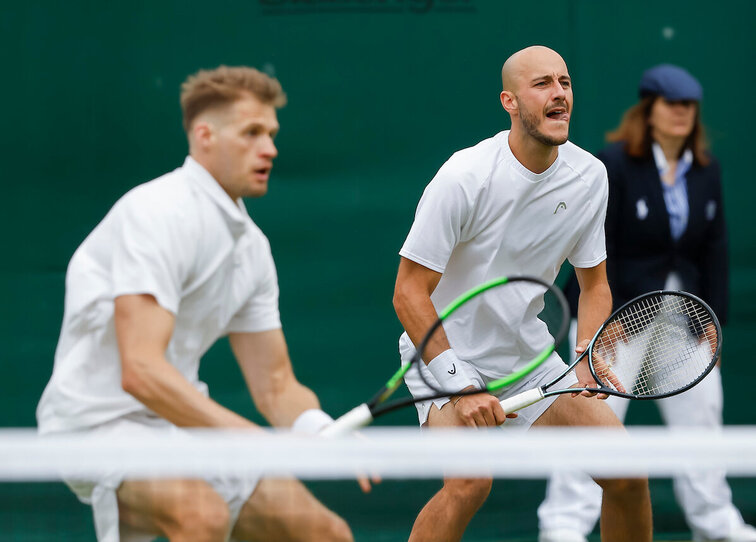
x=554 y=314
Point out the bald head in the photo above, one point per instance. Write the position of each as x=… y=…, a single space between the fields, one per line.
x=537 y=94
x=527 y=63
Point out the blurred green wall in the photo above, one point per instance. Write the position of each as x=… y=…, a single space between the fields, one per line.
x=381 y=92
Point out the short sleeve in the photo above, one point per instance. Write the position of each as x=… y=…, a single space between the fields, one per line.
x=590 y=249
x=260 y=312
x=152 y=251
x=440 y=219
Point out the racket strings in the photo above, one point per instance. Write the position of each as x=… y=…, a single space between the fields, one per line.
x=659 y=345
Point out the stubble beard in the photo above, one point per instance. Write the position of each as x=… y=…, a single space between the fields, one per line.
x=529 y=122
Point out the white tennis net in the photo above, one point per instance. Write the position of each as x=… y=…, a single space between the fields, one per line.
x=35 y=505
x=393 y=453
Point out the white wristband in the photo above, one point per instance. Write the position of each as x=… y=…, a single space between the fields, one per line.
x=451 y=373
x=311 y=422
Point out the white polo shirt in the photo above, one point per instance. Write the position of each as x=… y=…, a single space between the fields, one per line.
x=485 y=215
x=183 y=240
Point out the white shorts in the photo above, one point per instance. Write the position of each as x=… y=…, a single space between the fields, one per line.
x=550 y=369
x=101 y=493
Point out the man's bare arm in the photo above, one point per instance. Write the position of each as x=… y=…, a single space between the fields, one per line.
x=594 y=307
x=144 y=329
x=264 y=360
x=414 y=285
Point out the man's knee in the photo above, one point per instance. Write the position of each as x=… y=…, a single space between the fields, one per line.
x=469 y=490
x=179 y=509
x=631 y=487
x=337 y=530
x=201 y=520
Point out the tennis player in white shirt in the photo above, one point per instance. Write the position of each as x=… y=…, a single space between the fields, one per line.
x=176 y=264
x=520 y=202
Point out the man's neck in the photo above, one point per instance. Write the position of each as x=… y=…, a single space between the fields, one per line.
x=531 y=153
x=207 y=164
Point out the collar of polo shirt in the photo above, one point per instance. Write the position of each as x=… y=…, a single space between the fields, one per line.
x=234 y=212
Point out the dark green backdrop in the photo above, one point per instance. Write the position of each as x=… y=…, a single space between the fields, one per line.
x=381 y=92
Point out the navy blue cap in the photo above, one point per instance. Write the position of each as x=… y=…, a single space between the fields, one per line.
x=672 y=82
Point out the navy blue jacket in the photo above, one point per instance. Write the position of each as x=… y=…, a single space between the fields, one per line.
x=640 y=249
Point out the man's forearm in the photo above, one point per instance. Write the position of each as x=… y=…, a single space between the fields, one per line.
x=283 y=405
x=594 y=307
x=417 y=314
x=164 y=390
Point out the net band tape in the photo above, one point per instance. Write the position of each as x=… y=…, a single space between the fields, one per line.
x=392 y=453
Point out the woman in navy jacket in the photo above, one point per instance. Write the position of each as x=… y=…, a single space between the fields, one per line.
x=665 y=229
x=676 y=226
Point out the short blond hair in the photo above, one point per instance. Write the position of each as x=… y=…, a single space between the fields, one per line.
x=224 y=85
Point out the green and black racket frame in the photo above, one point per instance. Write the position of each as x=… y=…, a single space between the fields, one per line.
x=366 y=412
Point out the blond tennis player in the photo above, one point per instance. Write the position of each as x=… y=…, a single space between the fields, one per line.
x=176 y=264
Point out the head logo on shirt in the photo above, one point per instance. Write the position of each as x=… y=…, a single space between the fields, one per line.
x=560 y=205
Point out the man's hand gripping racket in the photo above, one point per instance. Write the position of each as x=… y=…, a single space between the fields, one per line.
x=555 y=315
x=656 y=345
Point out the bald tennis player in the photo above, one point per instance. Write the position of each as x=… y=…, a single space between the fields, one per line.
x=520 y=202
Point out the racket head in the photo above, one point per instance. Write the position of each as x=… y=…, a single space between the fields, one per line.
x=657 y=345
x=554 y=312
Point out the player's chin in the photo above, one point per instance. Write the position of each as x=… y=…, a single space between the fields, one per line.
x=552 y=135
x=559 y=134
x=257 y=190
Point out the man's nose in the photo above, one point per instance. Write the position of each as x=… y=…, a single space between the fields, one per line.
x=269 y=148
x=559 y=90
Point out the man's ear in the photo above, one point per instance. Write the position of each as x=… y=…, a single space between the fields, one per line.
x=203 y=134
x=509 y=101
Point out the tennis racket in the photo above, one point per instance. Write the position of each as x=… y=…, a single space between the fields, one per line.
x=555 y=314
x=656 y=345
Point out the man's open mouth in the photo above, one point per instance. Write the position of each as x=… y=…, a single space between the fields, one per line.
x=558 y=113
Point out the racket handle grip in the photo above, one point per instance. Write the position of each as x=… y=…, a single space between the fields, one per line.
x=521 y=400
x=354 y=419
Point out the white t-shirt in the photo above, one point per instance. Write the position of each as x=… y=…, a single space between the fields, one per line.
x=183 y=240
x=484 y=215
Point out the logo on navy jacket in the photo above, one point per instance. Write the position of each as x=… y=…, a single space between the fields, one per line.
x=641 y=209
x=711 y=210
